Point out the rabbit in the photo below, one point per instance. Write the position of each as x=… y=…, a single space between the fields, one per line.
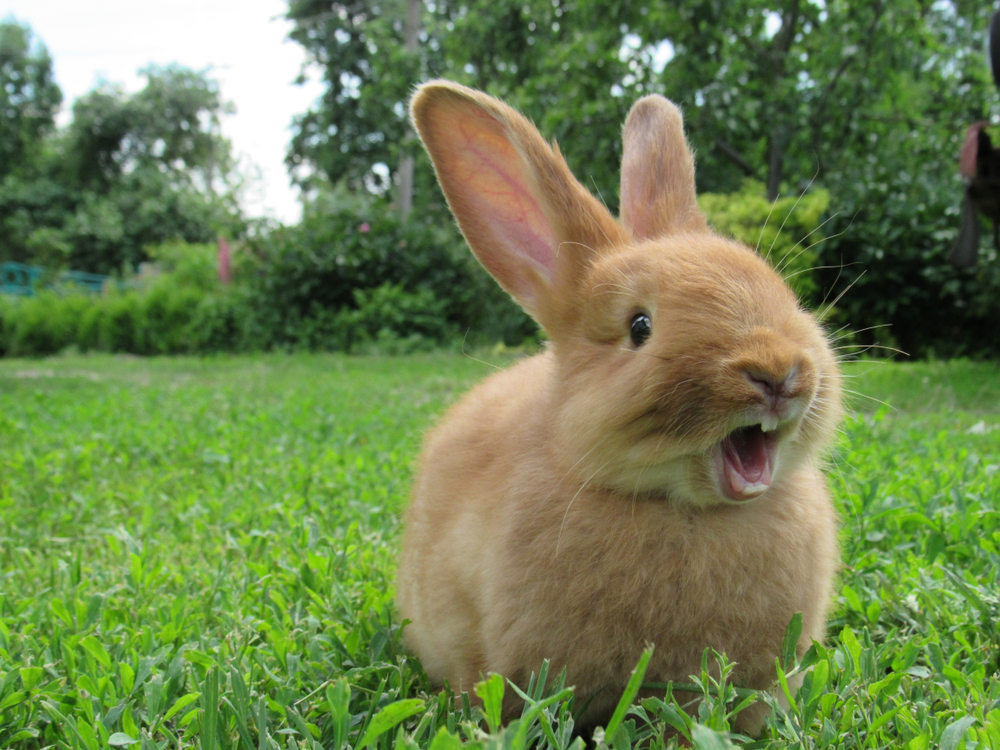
x=655 y=474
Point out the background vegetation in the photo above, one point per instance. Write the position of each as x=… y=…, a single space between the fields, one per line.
x=199 y=553
x=860 y=106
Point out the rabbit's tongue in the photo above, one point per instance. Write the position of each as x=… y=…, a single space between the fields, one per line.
x=747 y=459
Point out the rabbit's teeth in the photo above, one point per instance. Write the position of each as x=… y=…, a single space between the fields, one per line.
x=748 y=456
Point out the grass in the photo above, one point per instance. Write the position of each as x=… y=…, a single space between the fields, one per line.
x=200 y=553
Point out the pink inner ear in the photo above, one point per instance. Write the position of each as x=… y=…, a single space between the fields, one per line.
x=495 y=201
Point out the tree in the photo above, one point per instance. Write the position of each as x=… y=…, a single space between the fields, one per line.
x=171 y=125
x=781 y=90
x=524 y=51
x=29 y=97
x=129 y=171
x=868 y=99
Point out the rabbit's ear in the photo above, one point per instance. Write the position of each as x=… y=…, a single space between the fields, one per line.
x=527 y=219
x=657 y=191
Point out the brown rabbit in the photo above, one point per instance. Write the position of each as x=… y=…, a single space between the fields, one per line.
x=654 y=476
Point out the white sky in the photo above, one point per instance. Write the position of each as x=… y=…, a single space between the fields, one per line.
x=243 y=42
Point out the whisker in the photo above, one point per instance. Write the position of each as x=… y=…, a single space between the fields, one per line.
x=823 y=313
x=870 y=398
x=760 y=238
x=469 y=356
x=793 y=274
x=816 y=229
x=573 y=500
x=785 y=262
x=789 y=214
x=571 y=242
x=867 y=347
x=784 y=265
x=860 y=330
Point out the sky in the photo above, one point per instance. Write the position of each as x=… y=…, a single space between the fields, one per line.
x=243 y=43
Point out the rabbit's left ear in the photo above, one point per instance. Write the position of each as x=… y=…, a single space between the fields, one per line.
x=657 y=192
x=529 y=221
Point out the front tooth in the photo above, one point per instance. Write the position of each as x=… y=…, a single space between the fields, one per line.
x=769 y=422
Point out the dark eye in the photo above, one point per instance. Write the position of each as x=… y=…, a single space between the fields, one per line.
x=642 y=329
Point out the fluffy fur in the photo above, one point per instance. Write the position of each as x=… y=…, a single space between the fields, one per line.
x=577 y=507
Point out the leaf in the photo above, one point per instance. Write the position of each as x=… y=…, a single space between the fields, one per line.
x=96 y=649
x=850 y=641
x=120 y=739
x=631 y=690
x=127 y=676
x=790 y=643
x=491 y=691
x=59 y=609
x=444 y=740
x=182 y=702
x=851 y=596
x=954 y=732
x=389 y=717
x=13 y=699
x=783 y=682
x=884 y=719
x=820 y=676
x=30 y=676
x=704 y=738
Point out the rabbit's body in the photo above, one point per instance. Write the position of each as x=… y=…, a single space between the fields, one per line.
x=654 y=482
x=517 y=567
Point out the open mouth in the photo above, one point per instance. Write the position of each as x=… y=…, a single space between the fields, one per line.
x=748 y=462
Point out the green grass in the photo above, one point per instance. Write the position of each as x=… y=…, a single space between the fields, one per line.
x=200 y=553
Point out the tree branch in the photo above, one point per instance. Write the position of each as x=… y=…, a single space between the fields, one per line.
x=730 y=152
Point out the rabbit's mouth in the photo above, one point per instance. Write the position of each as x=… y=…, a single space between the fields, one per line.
x=748 y=455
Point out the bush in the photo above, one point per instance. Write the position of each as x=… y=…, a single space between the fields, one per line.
x=178 y=308
x=43 y=324
x=783 y=231
x=347 y=265
x=887 y=254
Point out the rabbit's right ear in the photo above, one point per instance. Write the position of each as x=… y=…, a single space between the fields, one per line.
x=657 y=192
x=525 y=216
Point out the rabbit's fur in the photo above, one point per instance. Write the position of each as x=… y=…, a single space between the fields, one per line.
x=580 y=505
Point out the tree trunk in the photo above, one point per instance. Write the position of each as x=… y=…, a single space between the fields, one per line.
x=778 y=139
x=775 y=160
x=406 y=162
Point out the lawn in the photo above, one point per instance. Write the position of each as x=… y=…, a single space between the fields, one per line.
x=200 y=553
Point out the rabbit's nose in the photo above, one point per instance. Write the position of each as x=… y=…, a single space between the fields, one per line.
x=773 y=385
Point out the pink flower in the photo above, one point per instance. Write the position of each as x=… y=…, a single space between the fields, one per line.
x=225 y=263
x=365 y=228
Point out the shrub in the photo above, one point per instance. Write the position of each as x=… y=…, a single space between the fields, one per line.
x=167 y=312
x=308 y=279
x=6 y=314
x=44 y=324
x=188 y=265
x=887 y=255
x=783 y=231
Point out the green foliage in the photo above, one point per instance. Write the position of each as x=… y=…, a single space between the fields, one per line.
x=890 y=232
x=130 y=171
x=164 y=312
x=172 y=124
x=46 y=323
x=29 y=97
x=869 y=98
x=348 y=272
x=521 y=50
x=316 y=287
x=783 y=231
x=200 y=553
x=191 y=266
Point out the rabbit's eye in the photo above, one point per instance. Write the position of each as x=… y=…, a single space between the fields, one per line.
x=642 y=329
